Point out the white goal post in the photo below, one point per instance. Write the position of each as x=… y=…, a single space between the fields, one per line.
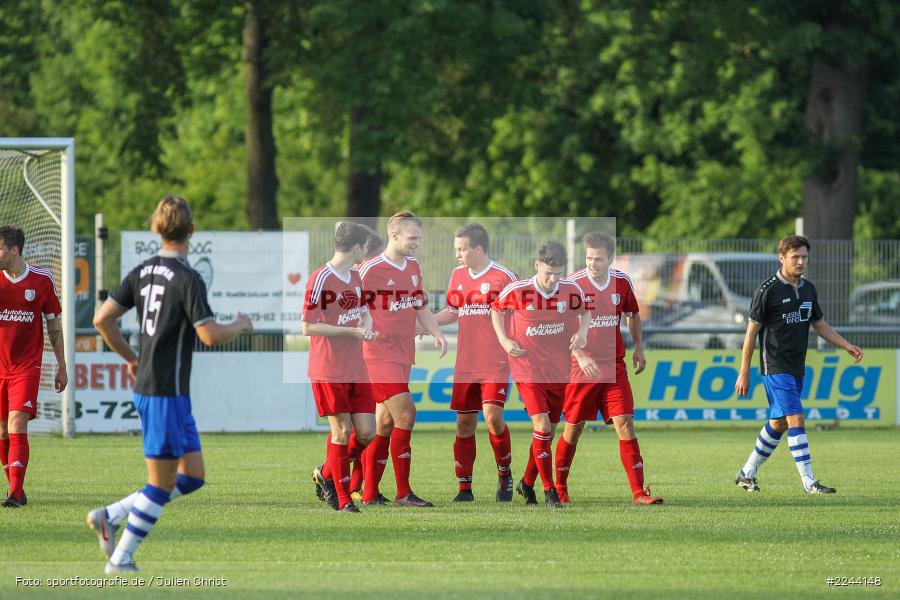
x=53 y=192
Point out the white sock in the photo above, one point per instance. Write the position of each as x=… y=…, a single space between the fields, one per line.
x=141 y=520
x=799 y=446
x=766 y=442
x=117 y=511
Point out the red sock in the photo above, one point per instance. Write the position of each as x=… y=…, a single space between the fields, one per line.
x=4 y=455
x=340 y=466
x=531 y=470
x=18 y=462
x=374 y=462
x=464 y=456
x=354 y=454
x=633 y=464
x=543 y=453
x=565 y=454
x=326 y=466
x=401 y=456
x=502 y=452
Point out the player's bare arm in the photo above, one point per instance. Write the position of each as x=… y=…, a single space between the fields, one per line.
x=325 y=330
x=499 y=324
x=587 y=364
x=445 y=317
x=105 y=322
x=743 y=380
x=425 y=318
x=55 y=335
x=212 y=333
x=635 y=327
x=831 y=336
x=368 y=327
x=579 y=340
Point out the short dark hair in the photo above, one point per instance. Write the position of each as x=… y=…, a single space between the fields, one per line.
x=376 y=244
x=13 y=236
x=348 y=234
x=596 y=239
x=552 y=253
x=476 y=234
x=792 y=242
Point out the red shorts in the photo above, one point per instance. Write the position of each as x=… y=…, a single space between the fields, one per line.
x=333 y=397
x=585 y=400
x=543 y=398
x=388 y=379
x=20 y=393
x=474 y=390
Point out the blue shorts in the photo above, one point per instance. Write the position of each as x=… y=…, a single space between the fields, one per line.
x=168 y=426
x=783 y=392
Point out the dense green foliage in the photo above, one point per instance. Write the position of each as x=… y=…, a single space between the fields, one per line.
x=678 y=118
x=258 y=524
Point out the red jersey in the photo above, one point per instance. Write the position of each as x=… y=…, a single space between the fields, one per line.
x=542 y=325
x=334 y=301
x=393 y=293
x=23 y=301
x=608 y=301
x=469 y=296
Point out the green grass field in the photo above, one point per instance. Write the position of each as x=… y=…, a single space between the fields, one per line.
x=258 y=525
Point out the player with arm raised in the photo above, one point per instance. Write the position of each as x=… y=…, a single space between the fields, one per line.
x=599 y=379
x=783 y=308
x=27 y=295
x=170 y=299
x=393 y=285
x=338 y=323
x=547 y=320
x=481 y=376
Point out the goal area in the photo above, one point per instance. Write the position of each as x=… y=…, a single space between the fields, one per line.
x=37 y=194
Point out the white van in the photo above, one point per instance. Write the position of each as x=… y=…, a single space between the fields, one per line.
x=697 y=290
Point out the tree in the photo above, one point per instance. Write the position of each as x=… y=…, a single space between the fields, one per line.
x=262 y=181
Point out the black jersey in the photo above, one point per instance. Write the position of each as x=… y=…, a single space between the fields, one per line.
x=170 y=298
x=785 y=312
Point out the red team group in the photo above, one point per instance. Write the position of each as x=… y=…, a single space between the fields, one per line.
x=558 y=337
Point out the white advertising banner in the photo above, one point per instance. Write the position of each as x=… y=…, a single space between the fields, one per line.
x=230 y=391
x=247 y=272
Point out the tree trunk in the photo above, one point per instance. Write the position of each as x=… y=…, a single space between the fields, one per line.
x=262 y=181
x=363 y=177
x=834 y=110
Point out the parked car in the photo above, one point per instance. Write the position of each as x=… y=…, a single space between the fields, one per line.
x=697 y=290
x=876 y=305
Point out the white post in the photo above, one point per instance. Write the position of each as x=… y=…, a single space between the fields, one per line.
x=67 y=208
x=798 y=226
x=570 y=244
x=99 y=253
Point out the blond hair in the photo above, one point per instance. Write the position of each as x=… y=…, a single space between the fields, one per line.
x=404 y=216
x=172 y=219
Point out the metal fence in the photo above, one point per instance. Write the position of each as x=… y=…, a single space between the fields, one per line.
x=693 y=293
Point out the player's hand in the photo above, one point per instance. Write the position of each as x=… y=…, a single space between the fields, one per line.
x=742 y=384
x=62 y=379
x=132 y=368
x=587 y=365
x=441 y=342
x=638 y=360
x=856 y=352
x=512 y=348
x=244 y=322
x=578 y=341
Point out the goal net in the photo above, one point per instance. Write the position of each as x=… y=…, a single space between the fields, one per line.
x=35 y=194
